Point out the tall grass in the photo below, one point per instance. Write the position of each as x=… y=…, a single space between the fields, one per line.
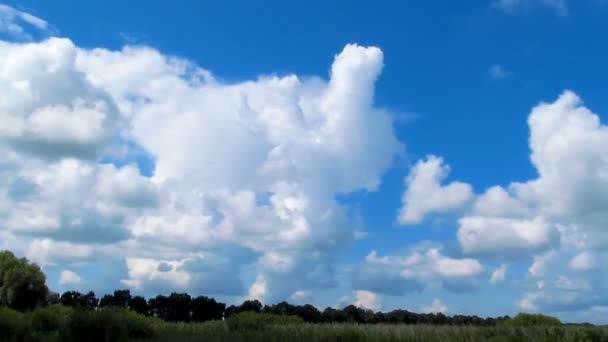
x=218 y=331
x=59 y=323
x=259 y=328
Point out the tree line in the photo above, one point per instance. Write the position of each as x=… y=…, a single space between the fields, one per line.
x=22 y=287
x=181 y=307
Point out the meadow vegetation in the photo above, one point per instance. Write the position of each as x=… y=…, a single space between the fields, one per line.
x=61 y=323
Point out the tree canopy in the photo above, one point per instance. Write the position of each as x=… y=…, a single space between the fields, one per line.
x=22 y=284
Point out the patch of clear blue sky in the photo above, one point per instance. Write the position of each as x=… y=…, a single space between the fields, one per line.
x=438 y=55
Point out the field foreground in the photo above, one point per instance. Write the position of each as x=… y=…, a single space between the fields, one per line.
x=64 y=323
x=219 y=331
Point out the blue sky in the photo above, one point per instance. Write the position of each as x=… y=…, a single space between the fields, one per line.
x=426 y=155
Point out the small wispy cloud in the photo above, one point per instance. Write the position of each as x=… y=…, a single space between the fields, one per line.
x=499 y=72
x=499 y=274
x=17 y=24
x=361 y=234
x=514 y=7
x=436 y=307
x=69 y=277
x=130 y=38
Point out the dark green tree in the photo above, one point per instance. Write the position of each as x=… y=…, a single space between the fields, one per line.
x=353 y=314
x=231 y=310
x=159 y=307
x=119 y=299
x=106 y=300
x=77 y=299
x=282 y=308
x=206 y=309
x=331 y=315
x=52 y=298
x=251 y=305
x=22 y=284
x=309 y=313
x=179 y=307
x=122 y=298
x=90 y=300
x=174 y=308
x=139 y=305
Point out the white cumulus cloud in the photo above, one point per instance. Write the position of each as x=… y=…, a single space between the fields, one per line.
x=368 y=300
x=243 y=178
x=582 y=262
x=49 y=109
x=425 y=193
x=563 y=205
x=68 y=277
x=436 y=307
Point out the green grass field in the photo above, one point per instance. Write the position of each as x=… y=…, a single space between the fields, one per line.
x=219 y=331
x=61 y=323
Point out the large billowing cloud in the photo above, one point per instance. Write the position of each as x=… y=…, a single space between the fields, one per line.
x=558 y=219
x=244 y=179
x=570 y=152
x=569 y=149
x=239 y=195
x=49 y=109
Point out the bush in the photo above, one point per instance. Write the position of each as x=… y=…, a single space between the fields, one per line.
x=51 y=318
x=108 y=324
x=103 y=325
x=250 y=320
x=138 y=325
x=13 y=324
x=530 y=320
